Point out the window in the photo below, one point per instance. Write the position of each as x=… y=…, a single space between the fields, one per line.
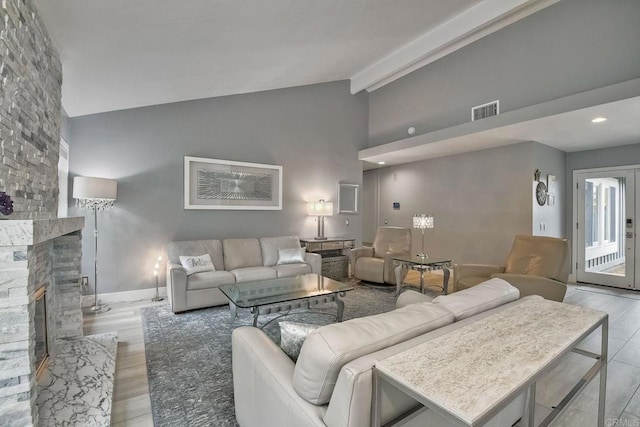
x=602 y=211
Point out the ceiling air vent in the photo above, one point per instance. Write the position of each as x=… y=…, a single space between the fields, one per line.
x=485 y=110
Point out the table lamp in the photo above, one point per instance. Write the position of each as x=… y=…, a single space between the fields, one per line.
x=422 y=222
x=320 y=209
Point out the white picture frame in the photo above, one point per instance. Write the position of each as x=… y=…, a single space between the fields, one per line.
x=215 y=184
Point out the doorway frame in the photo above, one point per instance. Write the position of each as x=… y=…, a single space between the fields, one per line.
x=573 y=276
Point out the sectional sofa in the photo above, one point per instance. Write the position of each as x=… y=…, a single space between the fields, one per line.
x=331 y=382
x=234 y=260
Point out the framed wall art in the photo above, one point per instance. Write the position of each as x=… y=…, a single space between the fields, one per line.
x=225 y=184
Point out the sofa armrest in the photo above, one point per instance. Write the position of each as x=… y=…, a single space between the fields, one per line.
x=177 y=287
x=535 y=285
x=315 y=261
x=262 y=386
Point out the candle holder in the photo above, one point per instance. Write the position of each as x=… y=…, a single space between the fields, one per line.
x=156 y=272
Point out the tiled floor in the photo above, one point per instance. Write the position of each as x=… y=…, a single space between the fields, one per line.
x=132 y=407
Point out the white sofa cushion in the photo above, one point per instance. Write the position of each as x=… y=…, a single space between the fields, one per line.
x=487 y=295
x=411 y=297
x=209 y=279
x=288 y=270
x=196 y=247
x=196 y=263
x=270 y=246
x=240 y=253
x=290 y=256
x=327 y=349
x=249 y=274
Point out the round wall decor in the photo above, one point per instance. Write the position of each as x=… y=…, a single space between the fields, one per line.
x=541 y=193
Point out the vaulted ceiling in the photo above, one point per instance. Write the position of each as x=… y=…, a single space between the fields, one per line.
x=119 y=54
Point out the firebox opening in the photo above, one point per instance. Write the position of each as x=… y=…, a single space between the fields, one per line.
x=42 y=344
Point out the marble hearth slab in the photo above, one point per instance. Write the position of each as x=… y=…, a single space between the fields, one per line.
x=77 y=387
x=29 y=232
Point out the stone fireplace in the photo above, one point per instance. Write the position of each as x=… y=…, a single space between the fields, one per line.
x=34 y=254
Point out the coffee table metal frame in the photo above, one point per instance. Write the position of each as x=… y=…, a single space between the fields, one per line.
x=422 y=264
x=284 y=294
x=599 y=367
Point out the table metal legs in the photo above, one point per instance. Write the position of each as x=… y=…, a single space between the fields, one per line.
x=401 y=266
x=255 y=311
x=445 y=279
x=233 y=310
x=340 y=305
x=398 y=271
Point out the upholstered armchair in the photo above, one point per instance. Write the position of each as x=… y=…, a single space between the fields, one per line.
x=375 y=264
x=536 y=266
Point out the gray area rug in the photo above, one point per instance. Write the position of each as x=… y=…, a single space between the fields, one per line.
x=189 y=354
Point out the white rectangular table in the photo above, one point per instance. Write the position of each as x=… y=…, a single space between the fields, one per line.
x=493 y=361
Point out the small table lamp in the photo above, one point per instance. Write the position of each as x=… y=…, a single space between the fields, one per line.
x=96 y=194
x=422 y=222
x=320 y=209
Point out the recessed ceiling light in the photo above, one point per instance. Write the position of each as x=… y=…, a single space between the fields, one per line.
x=381 y=163
x=599 y=120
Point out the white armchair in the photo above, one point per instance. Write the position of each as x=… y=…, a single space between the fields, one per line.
x=375 y=264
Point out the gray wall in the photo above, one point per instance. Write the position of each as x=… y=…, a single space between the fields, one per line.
x=549 y=220
x=479 y=201
x=314 y=132
x=567 y=48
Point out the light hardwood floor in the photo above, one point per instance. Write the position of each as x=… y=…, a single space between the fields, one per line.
x=132 y=406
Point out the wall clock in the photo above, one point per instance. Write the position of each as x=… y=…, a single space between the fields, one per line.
x=541 y=193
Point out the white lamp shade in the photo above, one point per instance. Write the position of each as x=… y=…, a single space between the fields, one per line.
x=422 y=221
x=320 y=208
x=94 y=188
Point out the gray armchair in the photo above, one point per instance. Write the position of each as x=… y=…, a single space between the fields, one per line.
x=536 y=266
x=375 y=264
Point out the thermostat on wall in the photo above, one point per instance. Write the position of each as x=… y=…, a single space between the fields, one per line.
x=396 y=205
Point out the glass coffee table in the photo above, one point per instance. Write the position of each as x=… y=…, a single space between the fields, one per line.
x=422 y=264
x=284 y=294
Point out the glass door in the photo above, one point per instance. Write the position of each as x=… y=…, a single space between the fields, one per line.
x=606 y=227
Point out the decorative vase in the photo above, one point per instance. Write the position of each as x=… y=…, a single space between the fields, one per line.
x=6 y=204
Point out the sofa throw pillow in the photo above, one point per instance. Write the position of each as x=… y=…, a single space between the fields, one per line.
x=290 y=256
x=292 y=336
x=197 y=264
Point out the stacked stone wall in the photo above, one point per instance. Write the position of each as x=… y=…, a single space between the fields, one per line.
x=30 y=107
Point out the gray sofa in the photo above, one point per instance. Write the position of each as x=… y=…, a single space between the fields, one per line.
x=235 y=260
x=331 y=382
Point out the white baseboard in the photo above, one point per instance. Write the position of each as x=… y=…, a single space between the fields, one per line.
x=126 y=296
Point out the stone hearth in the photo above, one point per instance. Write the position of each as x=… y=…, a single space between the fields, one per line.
x=32 y=253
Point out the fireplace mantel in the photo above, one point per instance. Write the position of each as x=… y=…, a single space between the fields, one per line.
x=24 y=232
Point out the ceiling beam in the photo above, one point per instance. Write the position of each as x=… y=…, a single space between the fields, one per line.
x=465 y=28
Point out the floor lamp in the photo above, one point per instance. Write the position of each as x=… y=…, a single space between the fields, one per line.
x=95 y=194
x=422 y=222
